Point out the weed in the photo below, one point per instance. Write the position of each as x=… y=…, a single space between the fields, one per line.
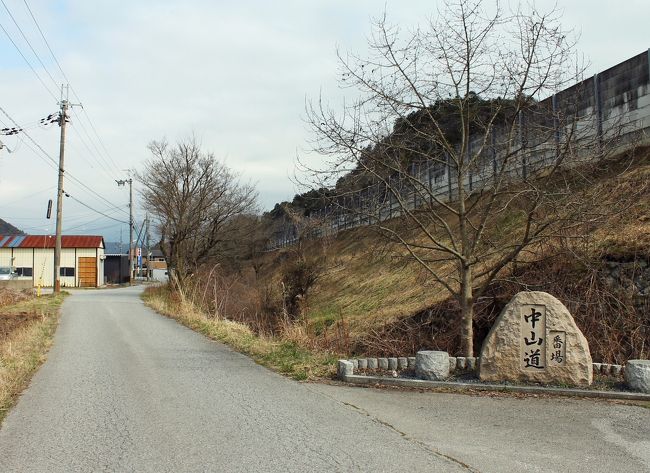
x=23 y=350
x=287 y=357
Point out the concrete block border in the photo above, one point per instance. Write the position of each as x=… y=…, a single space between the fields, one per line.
x=347 y=368
x=456 y=364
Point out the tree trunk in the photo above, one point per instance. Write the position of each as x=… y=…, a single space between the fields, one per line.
x=467 y=311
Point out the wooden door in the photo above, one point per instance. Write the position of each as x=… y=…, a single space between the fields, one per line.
x=87 y=272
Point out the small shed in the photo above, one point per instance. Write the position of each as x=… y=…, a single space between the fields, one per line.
x=116 y=265
x=32 y=258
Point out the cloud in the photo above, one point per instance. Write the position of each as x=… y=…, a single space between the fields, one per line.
x=234 y=73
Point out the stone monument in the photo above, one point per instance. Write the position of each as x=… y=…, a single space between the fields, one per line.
x=535 y=339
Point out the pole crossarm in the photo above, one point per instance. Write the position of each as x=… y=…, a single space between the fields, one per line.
x=124 y=182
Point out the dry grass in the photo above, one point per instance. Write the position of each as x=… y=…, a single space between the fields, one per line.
x=368 y=283
x=12 y=296
x=383 y=305
x=25 y=349
x=370 y=299
x=280 y=354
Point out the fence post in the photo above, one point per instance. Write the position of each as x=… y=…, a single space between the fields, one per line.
x=469 y=162
x=598 y=105
x=522 y=144
x=556 y=126
x=448 y=159
x=413 y=183
x=493 y=150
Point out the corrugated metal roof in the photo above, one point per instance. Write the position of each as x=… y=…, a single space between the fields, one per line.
x=15 y=243
x=48 y=241
x=116 y=248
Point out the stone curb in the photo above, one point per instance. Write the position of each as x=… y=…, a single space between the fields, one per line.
x=459 y=363
x=418 y=383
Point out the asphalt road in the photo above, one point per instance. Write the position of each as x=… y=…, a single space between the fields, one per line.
x=127 y=390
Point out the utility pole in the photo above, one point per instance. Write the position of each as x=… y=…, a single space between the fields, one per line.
x=148 y=253
x=63 y=118
x=122 y=182
x=59 y=194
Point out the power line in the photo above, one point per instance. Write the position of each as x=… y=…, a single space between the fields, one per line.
x=11 y=202
x=95 y=193
x=52 y=161
x=85 y=223
x=94 y=210
x=101 y=160
x=92 y=127
x=50 y=158
x=84 y=215
x=112 y=225
x=27 y=61
x=92 y=154
x=74 y=93
x=46 y=42
x=28 y=43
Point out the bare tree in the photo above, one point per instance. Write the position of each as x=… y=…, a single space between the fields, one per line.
x=194 y=198
x=450 y=132
x=306 y=264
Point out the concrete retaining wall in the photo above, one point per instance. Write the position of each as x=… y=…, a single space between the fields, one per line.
x=610 y=109
x=18 y=284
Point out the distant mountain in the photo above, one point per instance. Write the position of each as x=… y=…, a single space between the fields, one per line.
x=9 y=229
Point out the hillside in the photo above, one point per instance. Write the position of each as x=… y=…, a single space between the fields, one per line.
x=8 y=229
x=368 y=298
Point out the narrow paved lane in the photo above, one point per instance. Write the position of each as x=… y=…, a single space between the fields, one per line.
x=510 y=434
x=124 y=389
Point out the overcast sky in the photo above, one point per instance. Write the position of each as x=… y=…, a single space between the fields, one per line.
x=236 y=74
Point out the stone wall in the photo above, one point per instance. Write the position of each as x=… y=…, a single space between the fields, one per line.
x=633 y=276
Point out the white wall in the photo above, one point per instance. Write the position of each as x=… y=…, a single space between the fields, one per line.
x=44 y=267
x=5 y=257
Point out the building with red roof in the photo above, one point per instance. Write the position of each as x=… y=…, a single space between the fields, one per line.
x=32 y=257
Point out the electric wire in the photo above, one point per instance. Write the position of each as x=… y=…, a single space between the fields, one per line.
x=82 y=216
x=90 y=139
x=27 y=61
x=91 y=153
x=11 y=202
x=29 y=44
x=45 y=153
x=101 y=160
x=89 y=225
x=74 y=93
x=45 y=40
x=95 y=210
x=52 y=161
x=89 y=229
x=92 y=127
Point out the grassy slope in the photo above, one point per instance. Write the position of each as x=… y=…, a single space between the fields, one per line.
x=369 y=289
x=25 y=350
x=361 y=285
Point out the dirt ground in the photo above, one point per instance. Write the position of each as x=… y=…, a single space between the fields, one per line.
x=10 y=320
